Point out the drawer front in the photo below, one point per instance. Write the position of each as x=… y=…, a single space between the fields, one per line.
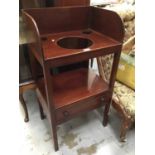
x=76 y=109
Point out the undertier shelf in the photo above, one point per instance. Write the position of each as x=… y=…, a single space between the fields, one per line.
x=73 y=86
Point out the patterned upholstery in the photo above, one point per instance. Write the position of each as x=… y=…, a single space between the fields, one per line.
x=122 y=94
x=126 y=97
x=105 y=64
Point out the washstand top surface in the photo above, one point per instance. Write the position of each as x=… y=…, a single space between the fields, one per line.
x=74 y=42
x=70 y=31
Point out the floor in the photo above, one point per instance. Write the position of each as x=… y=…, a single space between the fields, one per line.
x=84 y=135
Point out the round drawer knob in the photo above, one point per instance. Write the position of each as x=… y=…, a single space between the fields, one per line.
x=102 y=99
x=66 y=113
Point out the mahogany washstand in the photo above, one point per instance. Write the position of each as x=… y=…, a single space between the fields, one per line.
x=63 y=39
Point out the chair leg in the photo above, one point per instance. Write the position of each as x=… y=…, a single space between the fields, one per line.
x=106 y=111
x=26 y=119
x=124 y=127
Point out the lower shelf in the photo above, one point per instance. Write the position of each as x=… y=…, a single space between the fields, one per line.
x=74 y=86
x=74 y=92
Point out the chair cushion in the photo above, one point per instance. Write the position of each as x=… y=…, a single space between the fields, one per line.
x=126 y=97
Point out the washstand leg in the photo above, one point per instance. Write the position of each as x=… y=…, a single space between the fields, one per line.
x=106 y=111
x=42 y=115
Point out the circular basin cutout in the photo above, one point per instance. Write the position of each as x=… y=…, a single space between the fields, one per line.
x=74 y=43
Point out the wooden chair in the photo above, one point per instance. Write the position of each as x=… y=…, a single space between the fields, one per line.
x=22 y=88
x=25 y=82
x=123 y=99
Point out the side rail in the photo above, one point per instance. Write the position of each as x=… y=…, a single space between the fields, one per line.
x=108 y=22
x=33 y=36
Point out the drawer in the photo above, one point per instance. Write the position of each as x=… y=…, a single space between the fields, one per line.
x=75 y=109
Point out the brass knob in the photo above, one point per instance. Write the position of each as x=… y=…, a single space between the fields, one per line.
x=66 y=113
x=102 y=99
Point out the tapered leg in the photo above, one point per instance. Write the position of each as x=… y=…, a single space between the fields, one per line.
x=55 y=139
x=106 y=111
x=111 y=85
x=42 y=115
x=51 y=108
x=26 y=119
